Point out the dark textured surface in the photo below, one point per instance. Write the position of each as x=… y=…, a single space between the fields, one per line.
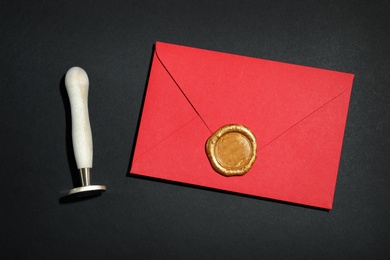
x=141 y=218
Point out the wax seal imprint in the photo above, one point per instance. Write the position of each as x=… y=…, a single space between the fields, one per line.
x=232 y=150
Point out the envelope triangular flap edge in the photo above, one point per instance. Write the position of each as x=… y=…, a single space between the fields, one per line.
x=227 y=88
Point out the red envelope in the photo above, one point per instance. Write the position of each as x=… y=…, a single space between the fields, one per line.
x=297 y=113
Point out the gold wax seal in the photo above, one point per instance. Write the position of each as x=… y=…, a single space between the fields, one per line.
x=232 y=150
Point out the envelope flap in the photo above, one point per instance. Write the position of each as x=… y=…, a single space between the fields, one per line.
x=225 y=88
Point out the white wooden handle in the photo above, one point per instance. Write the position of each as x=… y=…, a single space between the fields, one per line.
x=77 y=85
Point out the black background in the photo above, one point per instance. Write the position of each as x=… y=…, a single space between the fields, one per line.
x=143 y=218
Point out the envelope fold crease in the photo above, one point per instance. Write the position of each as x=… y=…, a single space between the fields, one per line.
x=303 y=118
x=184 y=94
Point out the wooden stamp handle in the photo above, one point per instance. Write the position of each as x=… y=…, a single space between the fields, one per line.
x=77 y=85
